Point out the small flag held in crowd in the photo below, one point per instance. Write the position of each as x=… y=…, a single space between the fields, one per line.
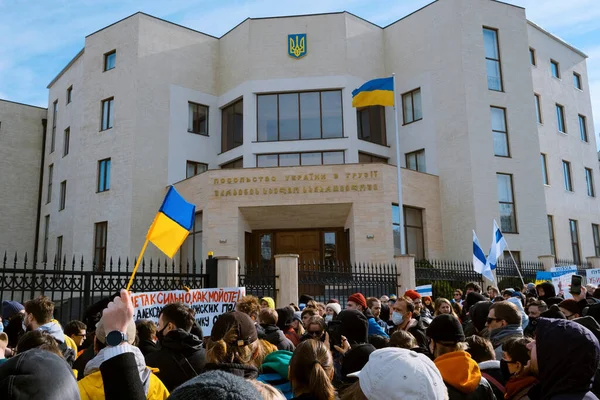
x=425 y=290
x=480 y=264
x=497 y=248
x=376 y=92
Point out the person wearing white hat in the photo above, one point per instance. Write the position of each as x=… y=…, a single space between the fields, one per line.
x=394 y=373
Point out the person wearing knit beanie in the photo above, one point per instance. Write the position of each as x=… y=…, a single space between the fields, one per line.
x=412 y=294
x=357 y=299
x=358 y=302
x=553 y=312
x=570 y=308
x=331 y=311
x=216 y=385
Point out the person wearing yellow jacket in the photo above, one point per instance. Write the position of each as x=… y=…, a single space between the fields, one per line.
x=91 y=387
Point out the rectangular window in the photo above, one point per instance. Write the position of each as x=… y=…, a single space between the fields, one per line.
x=416 y=160
x=506 y=255
x=103 y=175
x=108 y=110
x=235 y=164
x=66 y=141
x=560 y=118
x=544 y=169
x=197 y=118
x=364 y=158
x=538 y=108
x=46 y=233
x=69 y=94
x=411 y=106
x=532 y=56
x=583 y=128
x=577 y=81
x=50 y=178
x=298 y=116
x=59 y=252
x=100 y=239
x=575 y=241
x=551 y=234
x=195 y=168
x=53 y=134
x=589 y=182
x=63 y=195
x=110 y=60
x=413 y=231
x=232 y=126
x=596 y=235
x=555 y=69
x=193 y=243
x=508 y=218
x=567 y=176
x=500 y=132
x=492 y=59
x=371 y=124
x=296 y=159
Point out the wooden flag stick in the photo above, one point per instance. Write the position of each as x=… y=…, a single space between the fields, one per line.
x=137 y=264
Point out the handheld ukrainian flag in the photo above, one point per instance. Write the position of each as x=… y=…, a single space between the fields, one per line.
x=170 y=228
x=377 y=92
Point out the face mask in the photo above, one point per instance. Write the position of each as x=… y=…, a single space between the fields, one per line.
x=505 y=371
x=397 y=318
x=159 y=334
x=328 y=318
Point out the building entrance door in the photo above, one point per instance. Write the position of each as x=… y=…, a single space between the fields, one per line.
x=307 y=244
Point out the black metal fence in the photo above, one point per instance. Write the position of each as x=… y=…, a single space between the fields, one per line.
x=74 y=285
x=327 y=280
x=259 y=280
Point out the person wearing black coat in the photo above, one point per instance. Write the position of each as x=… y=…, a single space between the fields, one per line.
x=270 y=332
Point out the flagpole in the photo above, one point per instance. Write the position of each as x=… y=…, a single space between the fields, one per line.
x=400 y=207
x=137 y=264
x=516 y=266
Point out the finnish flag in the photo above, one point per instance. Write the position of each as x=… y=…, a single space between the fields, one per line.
x=480 y=264
x=497 y=248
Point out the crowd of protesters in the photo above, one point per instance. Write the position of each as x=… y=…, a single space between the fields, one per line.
x=523 y=343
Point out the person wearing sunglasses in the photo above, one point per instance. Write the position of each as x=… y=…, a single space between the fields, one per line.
x=503 y=322
x=457 y=297
x=315 y=328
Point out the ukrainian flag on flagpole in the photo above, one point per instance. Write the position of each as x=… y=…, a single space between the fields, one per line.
x=377 y=92
x=172 y=224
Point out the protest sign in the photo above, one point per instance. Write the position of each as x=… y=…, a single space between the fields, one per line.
x=425 y=290
x=593 y=276
x=207 y=304
x=561 y=279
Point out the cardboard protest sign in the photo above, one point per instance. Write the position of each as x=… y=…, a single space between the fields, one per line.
x=561 y=279
x=208 y=304
x=593 y=276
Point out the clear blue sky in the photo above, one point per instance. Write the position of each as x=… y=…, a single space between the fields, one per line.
x=39 y=37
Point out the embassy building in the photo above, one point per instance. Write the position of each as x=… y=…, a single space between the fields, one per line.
x=258 y=130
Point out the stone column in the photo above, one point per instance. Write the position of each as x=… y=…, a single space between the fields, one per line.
x=228 y=270
x=407 y=278
x=594 y=262
x=286 y=283
x=548 y=261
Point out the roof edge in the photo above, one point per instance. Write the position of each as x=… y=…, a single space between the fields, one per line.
x=559 y=40
x=62 y=71
x=23 y=104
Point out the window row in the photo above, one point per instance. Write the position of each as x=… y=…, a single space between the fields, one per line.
x=297 y=159
x=574 y=235
x=567 y=179
x=555 y=69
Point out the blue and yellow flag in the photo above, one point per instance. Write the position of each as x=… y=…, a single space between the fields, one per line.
x=172 y=224
x=378 y=92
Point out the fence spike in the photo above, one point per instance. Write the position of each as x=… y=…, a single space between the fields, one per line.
x=127 y=264
x=110 y=265
x=73 y=263
x=15 y=260
x=119 y=264
x=4 y=260
x=64 y=267
x=172 y=264
x=81 y=262
x=25 y=261
x=151 y=264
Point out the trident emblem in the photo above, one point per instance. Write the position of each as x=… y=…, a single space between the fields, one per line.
x=297 y=45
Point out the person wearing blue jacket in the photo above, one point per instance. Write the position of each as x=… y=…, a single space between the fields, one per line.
x=274 y=372
x=358 y=302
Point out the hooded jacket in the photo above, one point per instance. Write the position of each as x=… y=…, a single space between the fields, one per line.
x=549 y=291
x=54 y=329
x=562 y=375
x=500 y=335
x=490 y=370
x=524 y=317
x=180 y=358
x=274 y=372
x=275 y=336
x=354 y=326
x=373 y=327
x=478 y=313
x=463 y=378
x=92 y=386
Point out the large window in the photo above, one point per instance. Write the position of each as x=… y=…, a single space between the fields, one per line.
x=110 y=60
x=197 y=118
x=69 y=94
x=66 y=141
x=538 y=108
x=492 y=59
x=371 y=124
x=596 y=235
x=555 y=69
x=46 y=234
x=232 y=126
x=575 y=241
x=589 y=182
x=413 y=231
x=63 y=195
x=103 y=175
x=583 y=128
x=577 y=81
x=544 y=169
x=235 y=164
x=532 y=59
x=411 y=106
x=53 y=134
x=500 y=132
x=365 y=158
x=560 y=118
x=567 y=176
x=193 y=244
x=100 y=239
x=508 y=217
x=50 y=178
x=59 y=245
x=295 y=116
x=108 y=110
x=551 y=234
x=194 y=168
x=416 y=160
x=295 y=159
